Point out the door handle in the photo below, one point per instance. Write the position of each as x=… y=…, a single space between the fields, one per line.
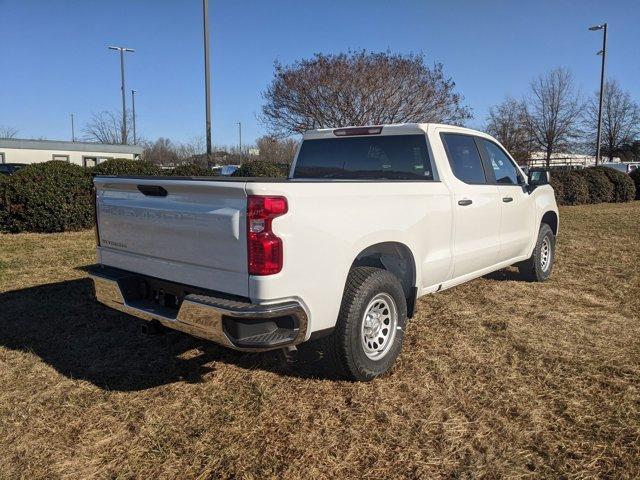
x=507 y=199
x=465 y=202
x=152 y=190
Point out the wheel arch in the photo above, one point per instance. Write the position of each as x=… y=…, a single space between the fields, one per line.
x=551 y=218
x=396 y=258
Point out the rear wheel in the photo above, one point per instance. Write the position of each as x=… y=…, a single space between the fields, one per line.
x=370 y=328
x=537 y=268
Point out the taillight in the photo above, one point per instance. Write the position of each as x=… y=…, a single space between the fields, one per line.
x=264 y=248
x=95 y=215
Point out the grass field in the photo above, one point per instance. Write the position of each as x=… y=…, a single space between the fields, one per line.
x=498 y=378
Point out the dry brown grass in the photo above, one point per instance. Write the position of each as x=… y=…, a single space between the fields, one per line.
x=498 y=378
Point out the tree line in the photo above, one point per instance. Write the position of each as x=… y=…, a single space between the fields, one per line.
x=365 y=88
x=553 y=117
x=361 y=88
x=266 y=148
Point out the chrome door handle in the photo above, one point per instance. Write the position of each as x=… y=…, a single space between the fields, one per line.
x=507 y=199
x=465 y=202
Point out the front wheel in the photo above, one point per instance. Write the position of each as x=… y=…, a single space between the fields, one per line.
x=537 y=268
x=369 y=332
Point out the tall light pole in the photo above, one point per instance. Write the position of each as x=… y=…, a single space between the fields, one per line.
x=73 y=131
x=603 y=52
x=124 y=102
x=240 y=138
x=133 y=114
x=207 y=80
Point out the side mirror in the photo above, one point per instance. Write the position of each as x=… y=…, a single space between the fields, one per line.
x=537 y=178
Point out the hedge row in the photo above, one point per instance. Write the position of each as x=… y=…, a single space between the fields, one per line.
x=635 y=176
x=592 y=185
x=260 y=168
x=47 y=197
x=122 y=166
x=56 y=196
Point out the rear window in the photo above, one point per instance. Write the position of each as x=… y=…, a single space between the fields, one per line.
x=389 y=157
x=464 y=158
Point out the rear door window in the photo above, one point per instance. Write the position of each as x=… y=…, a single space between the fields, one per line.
x=464 y=158
x=386 y=157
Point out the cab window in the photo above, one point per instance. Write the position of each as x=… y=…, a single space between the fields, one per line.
x=464 y=158
x=503 y=168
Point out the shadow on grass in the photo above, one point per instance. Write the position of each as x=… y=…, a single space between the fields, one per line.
x=506 y=274
x=82 y=339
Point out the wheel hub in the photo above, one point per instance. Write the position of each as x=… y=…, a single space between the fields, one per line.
x=379 y=326
x=545 y=254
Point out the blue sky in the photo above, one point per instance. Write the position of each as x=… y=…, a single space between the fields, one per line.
x=55 y=59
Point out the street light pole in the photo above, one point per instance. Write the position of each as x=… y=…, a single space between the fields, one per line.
x=73 y=132
x=122 y=88
x=603 y=52
x=240 y=137
x=207 y=80
x=133 y=114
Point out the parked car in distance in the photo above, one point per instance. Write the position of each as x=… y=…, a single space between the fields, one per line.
x=228 y=170
x=10 y=168
x=624 y=167
x=369 y=219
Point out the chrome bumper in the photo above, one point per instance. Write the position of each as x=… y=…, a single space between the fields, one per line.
x=203 y=316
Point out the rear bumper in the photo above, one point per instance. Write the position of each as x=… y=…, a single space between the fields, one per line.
x=229 y=322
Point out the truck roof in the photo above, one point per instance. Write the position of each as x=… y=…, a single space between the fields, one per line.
x=388 y=129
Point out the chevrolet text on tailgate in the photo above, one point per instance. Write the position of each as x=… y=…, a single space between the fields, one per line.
x=335 y=256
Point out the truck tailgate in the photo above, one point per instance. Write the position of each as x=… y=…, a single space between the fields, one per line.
x=186 y=231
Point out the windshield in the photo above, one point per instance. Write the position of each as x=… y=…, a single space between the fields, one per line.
x=401 y=157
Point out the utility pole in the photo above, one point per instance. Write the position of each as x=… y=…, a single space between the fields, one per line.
x=73 y=132
x=240 y=137
x=602 y=52
x=122 y=88
x=133 y=114
x=207 y=80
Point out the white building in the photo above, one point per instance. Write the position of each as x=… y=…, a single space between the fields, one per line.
x=14 y=150
x=539 y=159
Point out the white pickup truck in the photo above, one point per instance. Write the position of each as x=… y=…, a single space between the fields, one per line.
x=370 y=219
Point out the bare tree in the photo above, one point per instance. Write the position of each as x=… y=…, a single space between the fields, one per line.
x=620 y=120
x=161 y=152
x=629 y=152
x=359 y=88
x=8 y=132
x=193 y=149
x=552 y=112
x=106 y=127
x=507 y=123
x=275 y=150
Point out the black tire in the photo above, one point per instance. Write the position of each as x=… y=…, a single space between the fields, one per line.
x=532 y=269
x=343 y=350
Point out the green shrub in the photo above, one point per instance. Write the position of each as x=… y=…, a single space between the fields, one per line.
x=123 y=166
x=600 y=187
x=558 y=187
x=635 y=176
x=574 y=189
x=624 y=190
x=47 y=197
x=261 y=168
x=191 y=170
x=4 y=180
